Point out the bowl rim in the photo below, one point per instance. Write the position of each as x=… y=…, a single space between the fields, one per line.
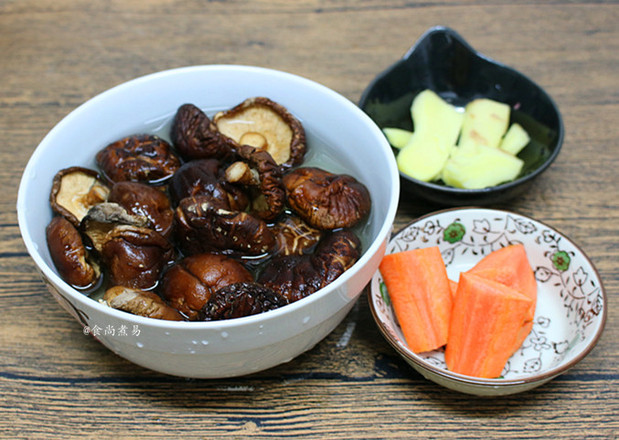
x=480 y=191
x=382 y=235
x=404 y=351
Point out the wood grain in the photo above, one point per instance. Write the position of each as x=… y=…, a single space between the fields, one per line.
x=55 y=382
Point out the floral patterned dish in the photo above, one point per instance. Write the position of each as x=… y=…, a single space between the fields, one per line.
x=571 y=308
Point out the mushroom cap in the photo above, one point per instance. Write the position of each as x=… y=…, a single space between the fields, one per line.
x=260 y=118
x=75 y=190
x=296 y=276
x=144 y=200
x=195 y=136
x=202 y=227
x=241 y=299
x=292 y=276
x=138 y=158
x=139 y=302
x=206 y=177
x=294 y=236
x=103 y=217
x=326 y=200
x=69 y=254
x=190 y=283
x=262 y=175
x=335 y=254
x=134 y=256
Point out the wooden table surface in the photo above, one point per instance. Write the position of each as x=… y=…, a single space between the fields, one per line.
x=55 y=382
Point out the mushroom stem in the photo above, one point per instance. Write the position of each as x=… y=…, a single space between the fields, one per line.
x=254 y=139
x=240 y=172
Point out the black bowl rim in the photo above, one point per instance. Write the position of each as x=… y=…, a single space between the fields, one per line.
x=482 y=191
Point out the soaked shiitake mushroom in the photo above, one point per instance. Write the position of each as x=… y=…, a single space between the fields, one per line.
x=142 y=200
x=139 y=158
x=140 y=302
x=133 y=254
x=326 y=200
x=297 y=276
x=206 y=177
x=75 y=190
x=241 y=299
x=135 y=257
x=294 y=236
x=195 y=136
x=70 y=255
x=267 y=125
x=202 y=227
x=292 y=276
x=335 y=254
x=104 y=217
x=259 y=172
x=190 y=283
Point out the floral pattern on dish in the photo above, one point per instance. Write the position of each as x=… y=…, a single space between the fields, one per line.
x=570 y=312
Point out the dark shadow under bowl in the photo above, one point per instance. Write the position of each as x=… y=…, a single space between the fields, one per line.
x=442 y=61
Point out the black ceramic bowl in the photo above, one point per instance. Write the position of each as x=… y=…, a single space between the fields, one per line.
x=442 y=61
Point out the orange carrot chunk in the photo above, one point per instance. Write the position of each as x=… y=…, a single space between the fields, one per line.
x=453 y=288
x=510 y=266
x=419 y=290
x=485 y=322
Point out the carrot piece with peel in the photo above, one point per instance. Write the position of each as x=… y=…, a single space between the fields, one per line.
x=419 y=290
x=485 y=322
x=510 y=266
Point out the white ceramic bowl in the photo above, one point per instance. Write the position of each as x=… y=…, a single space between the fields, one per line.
x=571 y=306
x=339 y=134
